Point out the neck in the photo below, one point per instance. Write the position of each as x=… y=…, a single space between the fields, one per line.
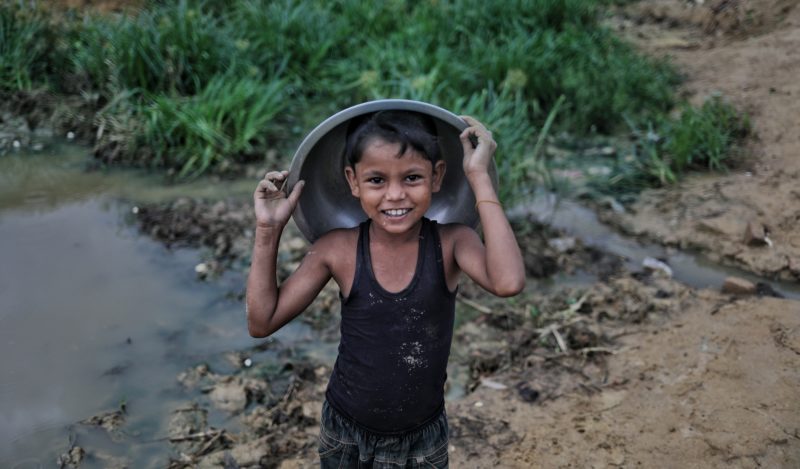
x=379 y=235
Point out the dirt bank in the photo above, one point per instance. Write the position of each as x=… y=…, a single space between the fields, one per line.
x=634 y=370
x=712 y=386
x=750 y=52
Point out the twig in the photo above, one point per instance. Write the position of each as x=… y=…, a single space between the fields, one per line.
x=587 y=350
x=210 y=443
x=573 y=308
x=195 y=436
x=474 y=305
x=559 y=340
x=546 y=330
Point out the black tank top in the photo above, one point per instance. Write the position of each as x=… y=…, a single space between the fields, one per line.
x=392 y=365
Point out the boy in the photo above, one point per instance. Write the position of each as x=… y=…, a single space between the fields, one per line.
x=398 y=274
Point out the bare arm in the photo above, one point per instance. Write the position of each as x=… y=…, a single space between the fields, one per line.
x=269 y=307
x=497 y=265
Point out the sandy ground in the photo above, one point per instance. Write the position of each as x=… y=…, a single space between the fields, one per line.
x=750 y=52
x=701 y=389
x=716 y=383
x=651 y=373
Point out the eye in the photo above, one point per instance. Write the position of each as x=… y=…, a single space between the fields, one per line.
x=413 y=177
x=375 y=180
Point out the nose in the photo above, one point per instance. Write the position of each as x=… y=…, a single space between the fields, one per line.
x=395 y=191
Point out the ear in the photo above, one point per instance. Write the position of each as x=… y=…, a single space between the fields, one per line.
x=438 y=175
x=352 y=181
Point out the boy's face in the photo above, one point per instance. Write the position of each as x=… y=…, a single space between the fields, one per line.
x=395 y=190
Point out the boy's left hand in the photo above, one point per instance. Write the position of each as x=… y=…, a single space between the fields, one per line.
x=477 y=158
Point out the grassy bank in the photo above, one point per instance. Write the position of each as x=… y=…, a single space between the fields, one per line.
x=207 y=85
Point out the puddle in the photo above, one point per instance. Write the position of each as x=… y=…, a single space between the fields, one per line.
x=93 y=315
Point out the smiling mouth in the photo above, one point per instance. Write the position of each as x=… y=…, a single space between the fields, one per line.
x=396 y=212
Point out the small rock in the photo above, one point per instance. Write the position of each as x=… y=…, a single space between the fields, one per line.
x=794 y=265
x=562 y=245
x=250 y=453
x=614 y=205
x=492 y=384
x=765 y=289
x=479 y=404
x=70 y=135
x=312 y=409
x=738 y=286
x=526 y=392
x=755 y=234
x=230 y=396
x=654 y=265
x=111 y=422
x=72 y=458
x=293 y=463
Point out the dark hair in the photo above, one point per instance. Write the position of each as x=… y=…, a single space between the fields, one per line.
x=408 y=128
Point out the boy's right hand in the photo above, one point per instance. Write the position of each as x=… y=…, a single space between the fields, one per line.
x=273 y=208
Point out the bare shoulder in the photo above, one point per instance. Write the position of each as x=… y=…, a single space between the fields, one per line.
x=452 y=233
x=331 y=244
x=455 y=236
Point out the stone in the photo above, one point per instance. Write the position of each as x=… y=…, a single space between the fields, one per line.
x=654 y=265
x=738 y=286
x=562 y=245
x=230 y=396
x=755 y=234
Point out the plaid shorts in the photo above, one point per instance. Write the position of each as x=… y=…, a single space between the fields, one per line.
x=342 y=444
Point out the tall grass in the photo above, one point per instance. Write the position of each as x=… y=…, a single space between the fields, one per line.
x=202 y=84
x=173 y=48
x=223 y=124
x=698 y=138
x=26 y=40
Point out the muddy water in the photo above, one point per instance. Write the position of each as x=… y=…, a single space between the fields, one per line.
x=93 y=315
x=690 y=268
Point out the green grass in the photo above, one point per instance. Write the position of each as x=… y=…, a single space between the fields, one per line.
x=173 y=48
x=223 y=124
x=196 y=86
x=26 y=36
x=703 y=138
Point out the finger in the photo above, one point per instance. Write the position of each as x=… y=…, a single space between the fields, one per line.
x=294 y=197
x=274 y=176
x=271 y=187
x=468 y=141
x=266 y=187
x=473 y=122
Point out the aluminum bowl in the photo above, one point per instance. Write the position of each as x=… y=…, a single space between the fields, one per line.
x=326 y=202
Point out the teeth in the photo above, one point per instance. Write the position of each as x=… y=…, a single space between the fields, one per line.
x=397 y=212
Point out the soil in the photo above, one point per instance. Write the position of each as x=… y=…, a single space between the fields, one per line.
x=749 y=51
x=713 y=383
x=633 y=370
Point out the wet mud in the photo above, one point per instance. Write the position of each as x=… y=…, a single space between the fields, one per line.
x=631 y=369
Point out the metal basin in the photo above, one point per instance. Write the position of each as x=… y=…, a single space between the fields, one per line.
x=326 y=202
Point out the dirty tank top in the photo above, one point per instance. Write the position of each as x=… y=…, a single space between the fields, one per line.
x=392 y=365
